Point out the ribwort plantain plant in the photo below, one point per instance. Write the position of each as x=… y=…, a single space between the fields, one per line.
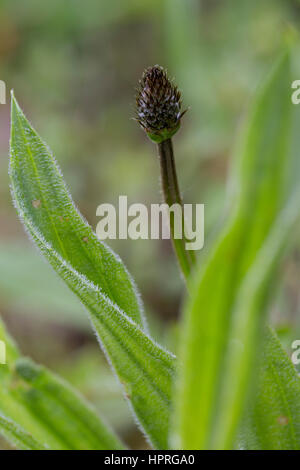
x=235 y=386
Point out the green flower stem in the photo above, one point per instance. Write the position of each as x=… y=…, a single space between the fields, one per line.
x=170 y=187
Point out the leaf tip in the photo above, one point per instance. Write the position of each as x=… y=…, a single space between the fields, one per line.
x=14 y=104
x=13 y=98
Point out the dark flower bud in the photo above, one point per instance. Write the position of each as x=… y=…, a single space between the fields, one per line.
x=158 y=105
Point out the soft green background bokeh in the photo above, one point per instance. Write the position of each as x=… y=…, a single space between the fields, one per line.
x=74 y=66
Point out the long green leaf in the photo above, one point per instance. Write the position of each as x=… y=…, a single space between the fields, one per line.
x=37 y=405
x=13 y=432
x=260 y=173
x=14 y=413
x=248 y=318
x=52 y=412
x=43 y=198
x=59 y=407
x=144 y=368
x=17 y=436
x=273 y=420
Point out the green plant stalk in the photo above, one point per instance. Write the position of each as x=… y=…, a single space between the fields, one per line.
x=158 y=111
x=170 y=188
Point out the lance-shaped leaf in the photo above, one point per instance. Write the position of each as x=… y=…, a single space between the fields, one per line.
x=16 y=419
x=273 y=417
x=13 y=432
x=260 y=175
x=144 y=368
x=40 y=410
x=17 y=436
x=241 y=363
x=54 y=403
x=43 y=198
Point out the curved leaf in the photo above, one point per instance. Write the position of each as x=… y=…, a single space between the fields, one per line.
x=212 y=332
x=240 y=364
x=144 y=368
x=57 y=406
x=40 y=409
x=273 y=420
x=17 y=436
x=43 y=198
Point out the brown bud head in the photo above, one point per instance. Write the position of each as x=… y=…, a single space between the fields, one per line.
x=158 y=104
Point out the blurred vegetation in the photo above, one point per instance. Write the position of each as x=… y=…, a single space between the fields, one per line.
x=74 y=67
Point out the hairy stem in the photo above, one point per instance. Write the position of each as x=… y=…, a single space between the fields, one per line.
x=170 y=187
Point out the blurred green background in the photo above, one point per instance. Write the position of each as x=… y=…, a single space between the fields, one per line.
x=74 y=67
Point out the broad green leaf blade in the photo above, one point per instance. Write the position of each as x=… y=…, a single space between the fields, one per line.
x=144 y=368
x=44 y=199
x=260 y=172
x=17 y=436
x=37 y=405
x=273 y=421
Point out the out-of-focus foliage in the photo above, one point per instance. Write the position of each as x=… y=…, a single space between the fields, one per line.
x=38 y=410
x=229 y=301
x=272 y=419
x=74 y=67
